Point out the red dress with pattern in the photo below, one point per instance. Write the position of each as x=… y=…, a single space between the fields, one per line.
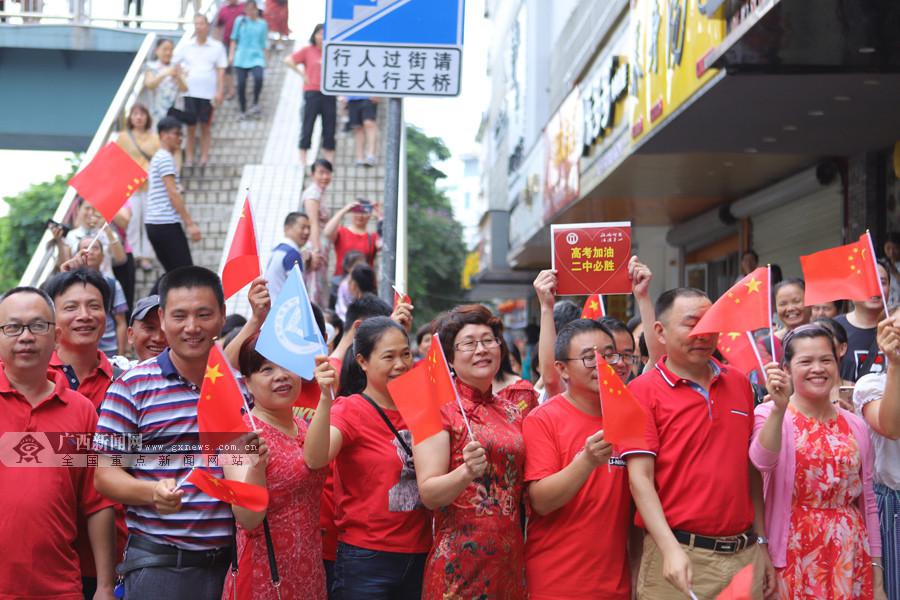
x=479 y=550
x=828 y=548
x=294 y=496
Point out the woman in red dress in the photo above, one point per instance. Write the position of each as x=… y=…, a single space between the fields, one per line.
x=294 y=492
x=475 y=483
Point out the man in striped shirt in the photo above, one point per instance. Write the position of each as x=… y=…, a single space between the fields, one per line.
x=179 y=538
x=166 y=216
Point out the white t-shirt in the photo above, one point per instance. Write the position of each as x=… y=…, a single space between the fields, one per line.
x=887 y=452
x=200 y=62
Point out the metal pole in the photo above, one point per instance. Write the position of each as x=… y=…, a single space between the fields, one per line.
x=401 y=274
x=391 y=193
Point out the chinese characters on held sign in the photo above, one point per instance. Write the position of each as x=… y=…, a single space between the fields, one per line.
x=592 y=258
x=391 y=70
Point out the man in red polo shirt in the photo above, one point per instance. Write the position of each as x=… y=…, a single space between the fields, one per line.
x=40 y=530
x=81 y=297
x=698 y=497
x=577 y=542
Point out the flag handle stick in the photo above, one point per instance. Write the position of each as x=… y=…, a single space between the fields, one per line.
x=769 y=300
x=249 y=414
x=762 y=367
x=105 y=225
x=875 y=265
x=462 y=411
x=183 y=479
x=693 y=595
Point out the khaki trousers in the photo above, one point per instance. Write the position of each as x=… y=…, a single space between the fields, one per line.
x=711 y=572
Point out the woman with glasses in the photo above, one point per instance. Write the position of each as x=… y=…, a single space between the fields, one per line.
x=816 y=461
x=472 y=473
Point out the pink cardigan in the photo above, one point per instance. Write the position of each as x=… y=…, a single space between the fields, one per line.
x=779 y=468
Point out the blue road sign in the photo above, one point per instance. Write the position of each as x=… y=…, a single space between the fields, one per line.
x=393 y=47
x=427 y=22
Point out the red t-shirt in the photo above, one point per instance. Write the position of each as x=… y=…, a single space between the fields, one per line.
x=228 y=14
x=93 y=387
x=701 y=448
x=311 y=59
x=378 y=505
x=579 y=550
x=346 y=240
x=40 y=528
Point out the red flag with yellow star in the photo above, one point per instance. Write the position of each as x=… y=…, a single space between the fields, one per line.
x=242 y=265
x=246 y=495
x=219 y=408
x=736 y=348
x=593 y=307
x=624 y=419
x=109 y=180
x=421 y=392
x=843 y=273
x=745 y=307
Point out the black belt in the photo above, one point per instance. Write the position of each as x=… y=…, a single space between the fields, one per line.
x=171 y=556
x=723 y=545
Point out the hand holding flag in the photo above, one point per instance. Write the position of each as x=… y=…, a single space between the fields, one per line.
x=246 y=495
x=242 y=265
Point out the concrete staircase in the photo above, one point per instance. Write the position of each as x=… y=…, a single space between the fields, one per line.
x=210 y=191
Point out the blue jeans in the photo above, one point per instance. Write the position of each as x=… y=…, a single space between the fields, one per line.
x=170 y=583
x=376 y=575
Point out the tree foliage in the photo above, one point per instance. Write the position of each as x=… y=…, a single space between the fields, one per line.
x=22 y=227
x=435 y=243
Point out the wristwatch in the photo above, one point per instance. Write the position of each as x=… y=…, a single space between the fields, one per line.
x=762 y=540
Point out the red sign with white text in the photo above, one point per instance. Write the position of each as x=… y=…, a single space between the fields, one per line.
x=591 y=258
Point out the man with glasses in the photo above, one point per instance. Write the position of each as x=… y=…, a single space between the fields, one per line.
x=624 y=368
x=699 y=499
x=41 y=529
x=166 y=216
x=578 y=533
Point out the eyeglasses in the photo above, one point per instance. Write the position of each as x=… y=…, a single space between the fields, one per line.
x=590 y=362
x=631 y=359
x=17 y=329
x=470 y=345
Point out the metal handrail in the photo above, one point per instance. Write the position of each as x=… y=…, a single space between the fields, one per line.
x=80 y=17
x=43 y=261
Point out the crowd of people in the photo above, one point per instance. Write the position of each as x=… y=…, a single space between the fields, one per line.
x=519 y=495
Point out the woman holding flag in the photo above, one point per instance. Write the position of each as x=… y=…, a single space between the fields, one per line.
x=816 y=461
x=292 y=527
x=472 y=472
x=384 y=532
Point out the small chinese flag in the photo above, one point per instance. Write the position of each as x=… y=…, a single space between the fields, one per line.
x=593 y=307
x=736 y=349
x=246 y=495
x=842 y=273
x=109 y=180
x=624 y=419
x=421 y=392
x=741 y=586
x=219 y=407
x=401 y=297
x=745 y=307
x=242 y=265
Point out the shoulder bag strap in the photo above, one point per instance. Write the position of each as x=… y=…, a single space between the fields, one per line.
x=870 y=359
x=138 y=146
x=270 y=550
x=393 y=429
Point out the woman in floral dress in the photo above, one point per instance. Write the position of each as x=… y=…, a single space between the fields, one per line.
x=294 y=492
x=816 y=460
x=474 y=482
